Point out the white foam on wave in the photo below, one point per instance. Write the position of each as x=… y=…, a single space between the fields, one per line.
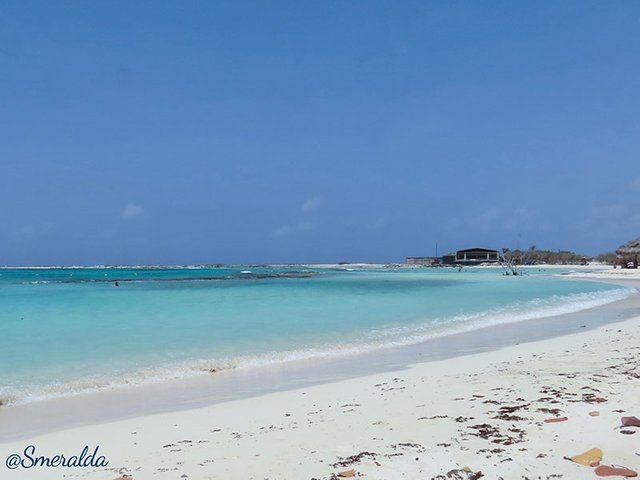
x=376 y=339
x=518 y=312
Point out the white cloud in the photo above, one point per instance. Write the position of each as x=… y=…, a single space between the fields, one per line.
x=605 y=215
x=36 y=229
x=304 y=223
x=519 y=218
x=612 y=222
x=300 y=227
x=310 y=205
x=132 y=210
x=452 y=223
x=282 y=231
x=486 y=219
x=496 y=218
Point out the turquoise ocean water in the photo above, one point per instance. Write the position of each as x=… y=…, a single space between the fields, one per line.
x=69 y=330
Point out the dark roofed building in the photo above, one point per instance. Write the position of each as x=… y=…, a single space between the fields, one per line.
x=476 y=256
x=449 y=259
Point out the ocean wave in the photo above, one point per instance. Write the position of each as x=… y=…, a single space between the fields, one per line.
x=372 y=340
x=517 y=312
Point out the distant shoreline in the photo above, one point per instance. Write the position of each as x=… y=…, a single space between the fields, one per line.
x=288 y=265
x=212 y=265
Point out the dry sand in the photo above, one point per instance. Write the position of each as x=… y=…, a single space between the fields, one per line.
x=447 y=419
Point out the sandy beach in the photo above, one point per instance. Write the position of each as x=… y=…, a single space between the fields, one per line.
x=475 y=416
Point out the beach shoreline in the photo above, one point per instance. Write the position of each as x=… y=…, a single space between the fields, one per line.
x=318 y=413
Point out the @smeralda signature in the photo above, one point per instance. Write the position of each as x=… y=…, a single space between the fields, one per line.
x=29 y=459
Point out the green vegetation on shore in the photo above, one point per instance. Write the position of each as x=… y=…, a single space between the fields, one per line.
x=533 y=256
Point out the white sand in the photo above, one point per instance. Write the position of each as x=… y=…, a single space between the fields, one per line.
x=416 y=423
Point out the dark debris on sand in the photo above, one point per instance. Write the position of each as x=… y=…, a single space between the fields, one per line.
x=494 y=435
x=345 y=462
x=459 y=474
x=506 y=413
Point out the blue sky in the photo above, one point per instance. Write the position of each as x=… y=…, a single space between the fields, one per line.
x=227 y=131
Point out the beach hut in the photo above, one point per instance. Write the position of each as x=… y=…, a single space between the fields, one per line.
x=630 y=252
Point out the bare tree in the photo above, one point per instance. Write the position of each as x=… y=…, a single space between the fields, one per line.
x=511 y=262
